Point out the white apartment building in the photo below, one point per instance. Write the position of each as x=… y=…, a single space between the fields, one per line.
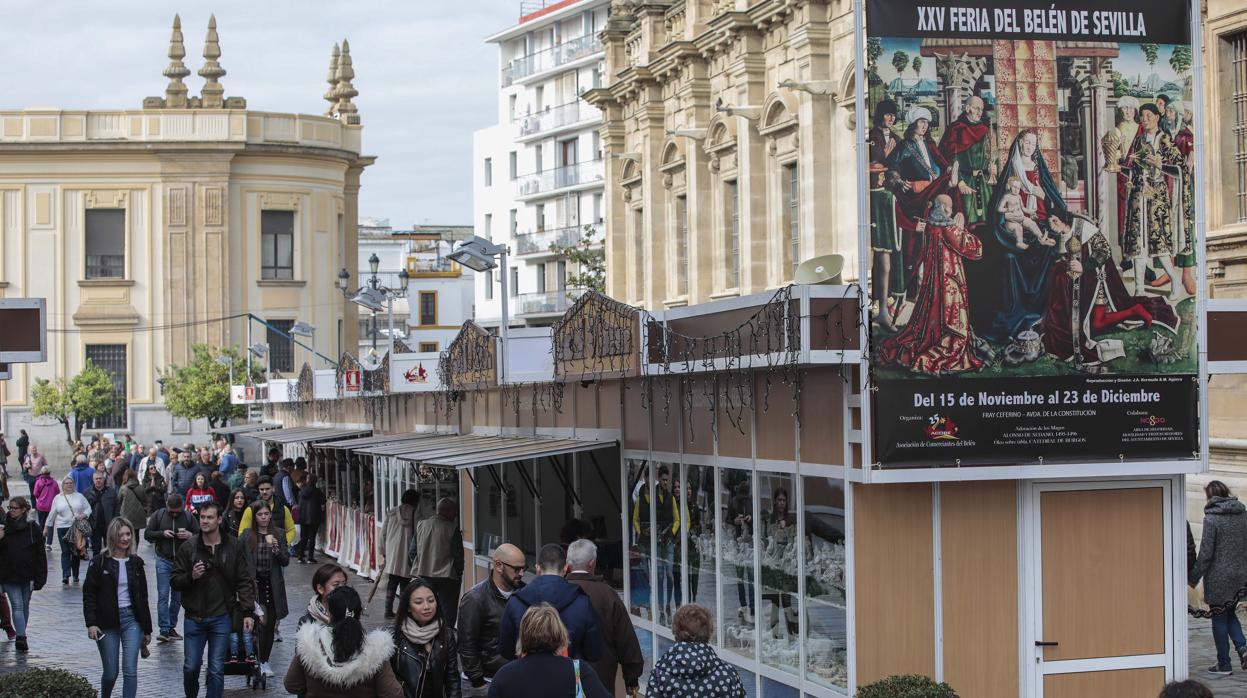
x=439 y=293
x=538 y=175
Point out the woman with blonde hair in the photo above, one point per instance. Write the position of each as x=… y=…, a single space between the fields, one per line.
x=543 y=668
x=114 y=605
x=68 y=514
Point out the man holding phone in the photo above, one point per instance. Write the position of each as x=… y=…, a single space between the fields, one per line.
x=212 y=573
x=167 y=529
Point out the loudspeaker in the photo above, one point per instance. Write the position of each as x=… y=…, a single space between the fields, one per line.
x=820 y=270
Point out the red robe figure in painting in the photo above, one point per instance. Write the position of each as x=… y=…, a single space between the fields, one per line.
x=938 y=338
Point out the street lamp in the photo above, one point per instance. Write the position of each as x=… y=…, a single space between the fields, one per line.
x=303 y=329
x=477 y=253
x=260 y=349
x=226 y=360
x=375 y=296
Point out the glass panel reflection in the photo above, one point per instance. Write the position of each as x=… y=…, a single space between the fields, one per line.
x=775 y=689
x=646 y=638
x=489 y=498
x=777 y=621
x=666 y=533
x=639 y=538
x=697 y=489
x=736 y=570
x=826 y=653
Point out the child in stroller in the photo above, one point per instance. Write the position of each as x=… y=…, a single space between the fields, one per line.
x=241 y=659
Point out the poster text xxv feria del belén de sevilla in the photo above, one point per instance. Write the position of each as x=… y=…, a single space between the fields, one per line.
x=1032 y=231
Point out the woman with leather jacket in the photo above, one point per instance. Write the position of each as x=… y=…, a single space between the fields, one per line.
x=426 y=649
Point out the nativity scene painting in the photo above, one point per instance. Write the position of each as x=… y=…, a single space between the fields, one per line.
x=1030 y=207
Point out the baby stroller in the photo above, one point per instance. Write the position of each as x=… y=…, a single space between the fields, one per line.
x=241 y=659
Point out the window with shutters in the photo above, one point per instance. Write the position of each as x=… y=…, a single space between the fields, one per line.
x=428 y=307
x=112 y=359
x=792 y=196
x=105 y=243
x=280 y=346
x=1235 y=114
x=731 y=198
x=277 y=245
x=426 y=347
x=681 y=245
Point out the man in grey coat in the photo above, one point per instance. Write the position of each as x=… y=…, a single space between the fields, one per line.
x=1222 y=565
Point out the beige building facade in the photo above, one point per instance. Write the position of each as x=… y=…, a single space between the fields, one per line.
x=151 y=230
x=725 y=125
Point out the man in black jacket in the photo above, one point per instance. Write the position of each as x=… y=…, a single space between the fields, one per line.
x=620 y=647
x=103 y=501
x=167 y=529
x=212 y=573
x=480 y=615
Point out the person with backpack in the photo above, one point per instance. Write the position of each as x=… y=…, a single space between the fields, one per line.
x=23 y=565
x=215 y=581
x=282 y=517
x=167 y=529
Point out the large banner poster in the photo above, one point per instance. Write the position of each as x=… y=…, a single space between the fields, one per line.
x=1032 y=231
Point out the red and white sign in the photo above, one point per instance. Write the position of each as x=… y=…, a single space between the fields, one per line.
x=353 y=380
x=249 y=394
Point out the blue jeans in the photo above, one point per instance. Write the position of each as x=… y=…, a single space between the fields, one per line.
x=19 y=601
x=70 y=562
x=1226 y=627
x=666 y=580
x=241 y=645
x=213 y=632
x=128 y=639
x=168 y=601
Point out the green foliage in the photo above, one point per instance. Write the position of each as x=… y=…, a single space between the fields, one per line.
x=589 y=259
x=900 y=60
x=874 y=51
x=1180 y=60
x=200 y=389
x=1151 y=53
x=908 y=686
x=75 y=402
x=45 y=683
x=916 y=64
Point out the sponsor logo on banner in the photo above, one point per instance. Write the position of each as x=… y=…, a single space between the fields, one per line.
x=416 y=375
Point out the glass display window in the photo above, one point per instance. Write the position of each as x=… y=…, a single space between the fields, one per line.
x=737 y=534
x=778 y=617
x=696 y=489
x=640 y=527
x=826 y=636
x=490 y=496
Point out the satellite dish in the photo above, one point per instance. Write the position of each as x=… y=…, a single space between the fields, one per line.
x=820 y=270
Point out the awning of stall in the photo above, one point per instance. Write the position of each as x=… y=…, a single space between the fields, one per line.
x=247 y=428
x=425 y=440
x=504 y=449
x=309 y=434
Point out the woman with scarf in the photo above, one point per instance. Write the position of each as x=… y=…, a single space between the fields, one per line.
x=426 y=649
x=234 y=512
x=267 y=556
x=341 y=660
x=326 y=578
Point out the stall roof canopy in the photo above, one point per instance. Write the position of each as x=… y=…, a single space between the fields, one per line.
x=457 y=451
x=295 y=434
x=358 y=443
x=245 y=428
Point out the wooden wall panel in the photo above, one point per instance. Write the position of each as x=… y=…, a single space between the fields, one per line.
x=696 y=418
x=1114 y=537
x=1124 y=683
x=978 y=544
x=609 y=405
x=894 y=583
x=735 y=440
x=665 y=416
x=635 y=417
x=822 y=417
x=777 y=431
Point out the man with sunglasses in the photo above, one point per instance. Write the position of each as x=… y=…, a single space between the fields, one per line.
x=480 y=615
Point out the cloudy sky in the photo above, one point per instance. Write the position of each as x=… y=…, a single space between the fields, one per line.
x=425 y=76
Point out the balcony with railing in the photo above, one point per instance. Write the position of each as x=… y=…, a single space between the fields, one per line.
x=548 y=302
x=556 y=56
x=553 y=118
x=539 y=242
x=554 y=179
x=431 y=266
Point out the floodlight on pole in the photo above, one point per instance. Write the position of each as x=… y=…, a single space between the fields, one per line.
x=477 y=253
x=226 y=360
x=261 y=349
x=303 y=329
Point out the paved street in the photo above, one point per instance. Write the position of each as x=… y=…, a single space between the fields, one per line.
x=58 y=637
x=1203 y=654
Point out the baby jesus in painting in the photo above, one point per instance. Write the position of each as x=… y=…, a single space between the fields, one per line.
x=1018 y=218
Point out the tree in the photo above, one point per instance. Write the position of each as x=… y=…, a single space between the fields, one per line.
x=1180 y=59
x=589 y=259
x=917 y=65
x=201 y=389
x=75 y=402
x=1151 y=53
x=874 y=51
x=900 y=60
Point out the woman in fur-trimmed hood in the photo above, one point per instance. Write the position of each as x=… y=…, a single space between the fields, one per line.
x=340 y=659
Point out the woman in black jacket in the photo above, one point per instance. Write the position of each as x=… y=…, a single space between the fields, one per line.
x=156 y=488
x=311 y=515
x=267 y=557
x=23 y=564
x=542 y=668
x=426 y=650
x=114 y=605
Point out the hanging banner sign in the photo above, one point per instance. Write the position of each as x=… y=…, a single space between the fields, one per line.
x=1033 y=250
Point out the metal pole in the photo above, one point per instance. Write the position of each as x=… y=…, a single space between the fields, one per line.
x=247 y=351
x=374 y=332
x=389 y=312
x=502 y=330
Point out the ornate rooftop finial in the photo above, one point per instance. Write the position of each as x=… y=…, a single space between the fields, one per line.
x=175 y=91
x=332 y=95
x=213 y=92
x=345 y=90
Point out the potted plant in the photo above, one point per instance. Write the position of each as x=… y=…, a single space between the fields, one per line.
x=907 y=686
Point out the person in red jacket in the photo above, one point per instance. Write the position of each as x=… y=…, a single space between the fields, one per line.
x=200 y=493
